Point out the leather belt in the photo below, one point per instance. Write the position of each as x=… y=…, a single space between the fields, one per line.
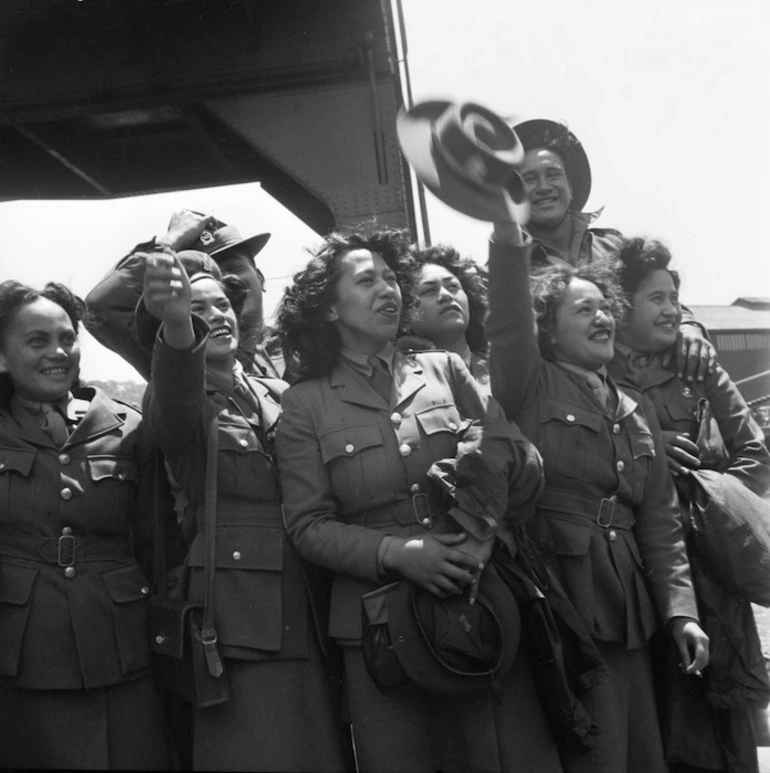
x=64 y=550
x=605 y=512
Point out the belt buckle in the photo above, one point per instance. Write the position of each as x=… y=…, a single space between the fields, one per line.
x=422 y=512
x=606 y=512
x=71 y=561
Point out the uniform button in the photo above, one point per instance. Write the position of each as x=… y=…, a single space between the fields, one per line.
x=620 y=466
x=243 y=442
x=570 y=417
x=616 y=429
x=66 y=494
x=270 y=436
x=426 y=522
x=2 y=465
x=121 y=476
x=349 y=448
x=405 y=449
x=64 y=458
x=395 y=418
x=612 y=534
x=236 y=555
x=145 y=590
x=452 y=426
x=414 y=488
x=66 y=531
x=614 y=498
x=70 y=572
x=160 y=638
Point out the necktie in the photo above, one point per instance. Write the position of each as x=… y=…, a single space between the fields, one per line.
x=600 y=389
x=54 y=424
x=380 y=378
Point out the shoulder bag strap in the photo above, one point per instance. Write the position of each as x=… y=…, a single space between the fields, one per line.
x=208 y=631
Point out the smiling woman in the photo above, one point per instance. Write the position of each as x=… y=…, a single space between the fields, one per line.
x=72 y=527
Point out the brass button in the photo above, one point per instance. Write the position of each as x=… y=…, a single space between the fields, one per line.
x=426 y=522
x=160 y=638
x=452 y=426
x=66 y=531
x=414 y=488
x=616 y=429
x=570 y=417
x=121 y=476
x=620 y=466
x=2 y=465
x=145 y=590
x=395 y=418
x=64 y=458
x=613 y=535
x=236 y=555
x=349 y=448
x=405 y=449
x=243 y=442
x=66 y=494
x=70 y=572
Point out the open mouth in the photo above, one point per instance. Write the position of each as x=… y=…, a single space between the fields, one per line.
x=220 y=332
x=545 y=201
x=389 y=309
x=605 y=334
x=59 y=370
x=667 y=325
x=452 y=308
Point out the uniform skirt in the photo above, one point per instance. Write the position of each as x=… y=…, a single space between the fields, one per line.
x=283 y=715
x=120 y=727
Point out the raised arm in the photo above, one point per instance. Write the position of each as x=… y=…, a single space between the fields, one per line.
x=515 y=359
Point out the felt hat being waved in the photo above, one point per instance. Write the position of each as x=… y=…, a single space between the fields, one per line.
x=220 y=241
x=467 y=156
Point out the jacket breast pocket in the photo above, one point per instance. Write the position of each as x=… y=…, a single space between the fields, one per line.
x=356 y=460
x=16 y=584
x=16 y=489
x=245 y=470
x=247 y=585
x=442 y=426
x=128 y=591
x=569 y=438
x=116 y=478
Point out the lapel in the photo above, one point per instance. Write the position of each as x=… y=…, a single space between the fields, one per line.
x=407 y=377
x=99 y=419
x=352 y=387
x=268 y=404
x=626 y=404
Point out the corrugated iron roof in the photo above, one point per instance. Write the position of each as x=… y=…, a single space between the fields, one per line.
x=718 y=318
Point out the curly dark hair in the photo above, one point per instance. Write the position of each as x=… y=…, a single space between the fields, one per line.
x=310 y=342
x=549 y=285
x=473 y=281
x=14 y=296
x=557 y=138
x=636 y=259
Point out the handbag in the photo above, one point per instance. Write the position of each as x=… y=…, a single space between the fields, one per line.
x=183 y=638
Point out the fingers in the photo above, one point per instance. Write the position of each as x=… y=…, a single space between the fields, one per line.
x=682 y=453
x=163 y=277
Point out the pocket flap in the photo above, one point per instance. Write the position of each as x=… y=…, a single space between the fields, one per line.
x=571 y=415
x=348 y=441
x=568 y=537
x=243 y=547
x=679 y=411
x=122 y=468
x=125 y=584
x=238 y=438
x=441 y=418
x=17 y=460
x=16 y=583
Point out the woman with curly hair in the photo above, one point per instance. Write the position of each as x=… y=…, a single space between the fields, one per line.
x=708 y=722
x=76 y=690
x=451 y=307
x=608 y=520
x=358 y=434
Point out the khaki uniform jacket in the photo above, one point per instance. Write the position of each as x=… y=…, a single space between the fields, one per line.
x=350 y=464
x=84 y=625
x=615 y=560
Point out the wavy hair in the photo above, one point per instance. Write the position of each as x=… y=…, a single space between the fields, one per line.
x=473 y=282
x=636 y=259
x=14 y=296
x=549 y=285
x=310 y=342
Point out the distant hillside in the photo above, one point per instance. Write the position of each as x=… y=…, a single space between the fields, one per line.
x=127 y=391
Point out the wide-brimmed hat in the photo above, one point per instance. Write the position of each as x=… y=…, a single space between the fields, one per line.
x=555 y=136
x=448 y=646
x=220 y=240
x=466 y=155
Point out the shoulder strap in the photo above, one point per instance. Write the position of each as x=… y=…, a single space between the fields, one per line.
x=208 y=630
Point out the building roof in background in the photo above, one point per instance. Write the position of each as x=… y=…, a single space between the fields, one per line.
x=746 y=314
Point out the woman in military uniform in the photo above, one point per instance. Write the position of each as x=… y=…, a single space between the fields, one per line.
x=76 y=690
x=707 y=723
x=608 y=520
x=280 y=715
x=358 y=433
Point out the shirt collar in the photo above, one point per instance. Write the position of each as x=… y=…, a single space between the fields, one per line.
x=360 y=362
x=578 y=370
x=35 y=407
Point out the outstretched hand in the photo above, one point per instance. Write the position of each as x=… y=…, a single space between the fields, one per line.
x=167 y=296
x=184 y=229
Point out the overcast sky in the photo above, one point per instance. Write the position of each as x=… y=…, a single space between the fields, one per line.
x=668 y=97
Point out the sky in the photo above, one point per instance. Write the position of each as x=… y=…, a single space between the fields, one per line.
x=669 y=99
